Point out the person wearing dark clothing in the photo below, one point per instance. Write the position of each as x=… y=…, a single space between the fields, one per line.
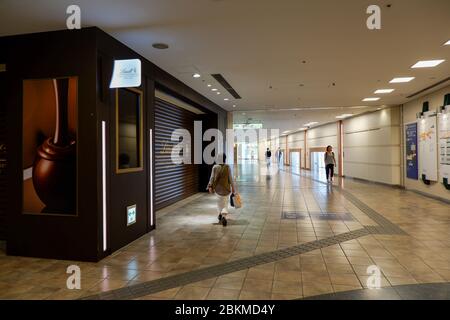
x=268 y=156
x=330 y=162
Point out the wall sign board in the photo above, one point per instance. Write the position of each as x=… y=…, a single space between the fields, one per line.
x=427 y=147
x=412 y=170
x=126 y=74
x=131 y=215
x=444 y=145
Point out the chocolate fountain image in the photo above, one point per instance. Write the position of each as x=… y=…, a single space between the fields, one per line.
x=54 y=169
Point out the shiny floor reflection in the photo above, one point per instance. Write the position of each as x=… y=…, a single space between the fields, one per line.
x=188 y=237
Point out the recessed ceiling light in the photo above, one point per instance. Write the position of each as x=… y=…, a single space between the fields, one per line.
x=345 y=115
x=371 y=99
x=378 y=108
x=234 y=106
x=447 y=43
x=402 y=79
x=209 y=85
x=214 y=89
x=309 y=124
x=160 y=46
x=427 y=63
x=218 y=92
x=384 y=91
x=286 y=131
x=196 y=75
x=226 y=99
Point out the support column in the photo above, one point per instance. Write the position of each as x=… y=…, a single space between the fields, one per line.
x=340 y=125
x=305 y=143
x=287 y=157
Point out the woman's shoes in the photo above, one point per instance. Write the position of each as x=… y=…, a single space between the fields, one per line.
x=222 y=219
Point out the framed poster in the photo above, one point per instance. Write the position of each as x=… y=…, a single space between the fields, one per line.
x=444 y=145
x=428 y=148
x=129 y=130
x=49 y=149
x=412 y=170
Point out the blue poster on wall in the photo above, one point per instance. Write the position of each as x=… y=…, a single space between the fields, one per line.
x=412 y=170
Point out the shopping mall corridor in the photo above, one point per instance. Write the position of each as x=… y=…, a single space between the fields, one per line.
x=296 y=237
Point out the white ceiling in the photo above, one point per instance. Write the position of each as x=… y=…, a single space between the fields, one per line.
x=256 y=44
x=288 y=120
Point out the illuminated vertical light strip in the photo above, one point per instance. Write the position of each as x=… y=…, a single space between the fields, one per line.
x=104 y=182
x=151 y=177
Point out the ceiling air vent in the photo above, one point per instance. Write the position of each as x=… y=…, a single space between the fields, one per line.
x=224 y=83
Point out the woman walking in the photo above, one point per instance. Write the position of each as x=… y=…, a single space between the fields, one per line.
x=222 y=184
x=330 y=162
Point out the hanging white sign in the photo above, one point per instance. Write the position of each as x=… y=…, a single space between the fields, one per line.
x=126 y=74
x=427 y=148
x=444 y=144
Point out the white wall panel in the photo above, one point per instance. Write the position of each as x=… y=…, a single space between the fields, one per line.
x=322 y=137
x=372 y=146
x=296 y=140
x=373 y=172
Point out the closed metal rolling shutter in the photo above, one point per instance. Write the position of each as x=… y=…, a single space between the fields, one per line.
x=173 y=182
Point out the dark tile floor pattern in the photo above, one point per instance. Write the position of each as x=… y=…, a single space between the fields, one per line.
x=387 y=227
x=432 y=291
x=327 y=216
x=139 y=290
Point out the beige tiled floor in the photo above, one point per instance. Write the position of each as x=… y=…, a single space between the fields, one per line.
x=188 y=237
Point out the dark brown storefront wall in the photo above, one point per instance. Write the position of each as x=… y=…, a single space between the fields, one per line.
x=88 y=54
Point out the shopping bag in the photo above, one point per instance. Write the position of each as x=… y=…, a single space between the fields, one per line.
x=237 y=201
